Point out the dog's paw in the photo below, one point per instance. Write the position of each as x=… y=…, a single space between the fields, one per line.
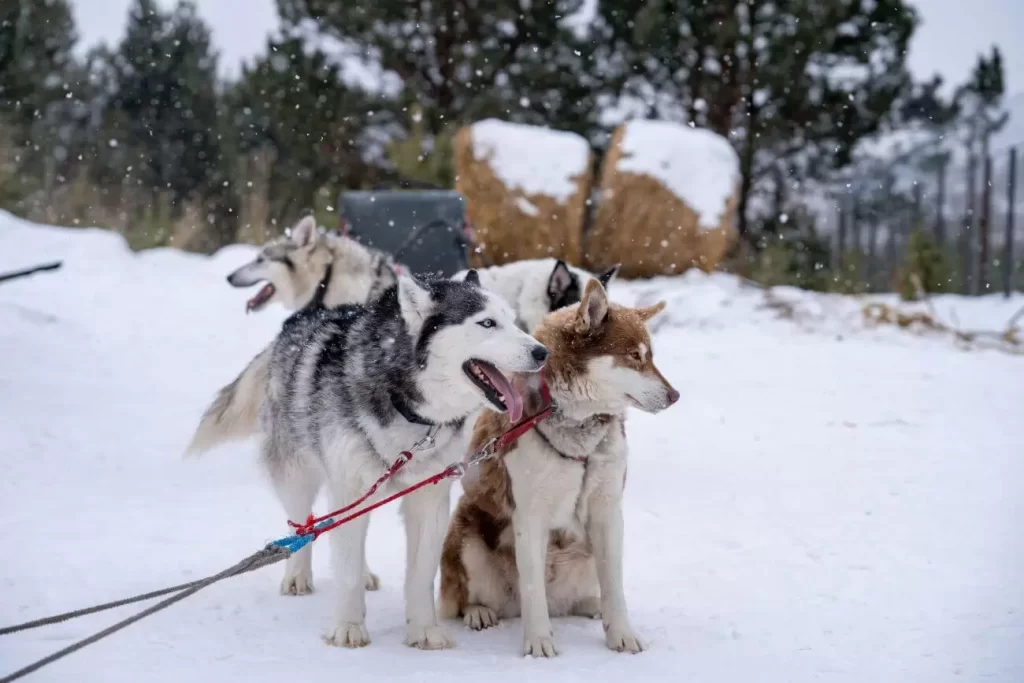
x=348 y=634
x=300 y=583
x=588 y=607
x=479 y=617
x=622 y=639
x=372 y=582
x=428 y=637
x=539 y=646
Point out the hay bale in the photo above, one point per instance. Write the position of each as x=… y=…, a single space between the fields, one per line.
x=668 y=198
x=526 y=189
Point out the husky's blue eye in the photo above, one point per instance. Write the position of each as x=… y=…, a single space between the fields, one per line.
x=487 y=323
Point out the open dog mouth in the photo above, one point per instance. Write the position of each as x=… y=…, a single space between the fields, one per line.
x=261 y=298
x=495 y=387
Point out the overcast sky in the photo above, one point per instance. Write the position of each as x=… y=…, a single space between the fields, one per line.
x=953 y=32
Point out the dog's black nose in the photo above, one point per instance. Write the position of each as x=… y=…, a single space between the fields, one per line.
x=540 y=353
x=230 y=281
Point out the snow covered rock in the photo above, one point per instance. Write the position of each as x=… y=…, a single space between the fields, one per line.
x=668 y=197
x=526 y=189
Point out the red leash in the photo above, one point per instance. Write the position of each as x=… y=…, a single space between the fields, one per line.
x=324 y=523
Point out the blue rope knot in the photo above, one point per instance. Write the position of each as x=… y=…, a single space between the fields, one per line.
x=297 y=542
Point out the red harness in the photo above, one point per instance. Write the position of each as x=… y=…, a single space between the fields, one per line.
x=324 y=523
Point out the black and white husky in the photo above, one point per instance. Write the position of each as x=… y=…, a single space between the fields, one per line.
x=350 y=388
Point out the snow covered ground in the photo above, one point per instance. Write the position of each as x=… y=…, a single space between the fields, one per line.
x=824 y=503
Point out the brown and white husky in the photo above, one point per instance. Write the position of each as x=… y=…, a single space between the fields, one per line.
x=539 y=529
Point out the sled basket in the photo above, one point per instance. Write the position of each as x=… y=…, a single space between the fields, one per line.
x=425 y=230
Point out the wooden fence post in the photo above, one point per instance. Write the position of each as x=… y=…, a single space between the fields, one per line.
x=871 y=268
x=967 y=231
x=940 y=218
x=1008 y=262
x=840 y=236
x=981 y=281
x=892 y=260
x=916 y=219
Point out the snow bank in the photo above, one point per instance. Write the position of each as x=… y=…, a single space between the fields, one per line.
x=532 y=159
x=697 y=165
x=723 y=302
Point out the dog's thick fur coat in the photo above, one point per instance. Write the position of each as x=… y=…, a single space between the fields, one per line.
x=350 y=388
x=303 y=268
x=539 y=530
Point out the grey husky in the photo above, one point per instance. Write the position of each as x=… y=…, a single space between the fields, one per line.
x=307 y=266
x=350 y=388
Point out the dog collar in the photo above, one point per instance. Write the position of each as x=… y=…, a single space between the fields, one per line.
x=545 y=439
x=406 y=411
x=598 y=420
x=321 y=288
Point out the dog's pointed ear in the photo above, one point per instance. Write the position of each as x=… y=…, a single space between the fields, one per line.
x=607 y=276
x=304 y=232
x=593 y=308
x=648 y=312
x=473 y=278
x=415 y=302
x=560 y=281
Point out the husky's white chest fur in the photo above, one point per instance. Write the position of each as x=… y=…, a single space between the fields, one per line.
x=562 y=462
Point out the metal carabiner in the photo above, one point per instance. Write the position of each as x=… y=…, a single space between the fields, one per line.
x=427 y=441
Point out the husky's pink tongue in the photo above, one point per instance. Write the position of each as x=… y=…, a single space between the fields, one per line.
x=266 y=291
x=513 y=399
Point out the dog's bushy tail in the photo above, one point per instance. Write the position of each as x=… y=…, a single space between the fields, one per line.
x=235 y=413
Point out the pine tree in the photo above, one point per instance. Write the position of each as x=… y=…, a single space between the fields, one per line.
x=794 y=84
x=39 y=88
x=981 y=100
x=162 y=111
x=294 y=102
x=925 y=102
x=465 y=61
x=36 y=42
